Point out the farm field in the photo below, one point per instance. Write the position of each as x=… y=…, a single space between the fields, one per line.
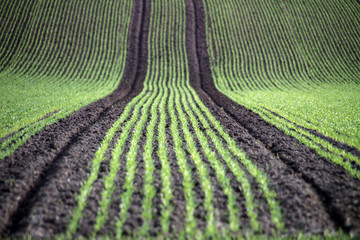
x=179 y=119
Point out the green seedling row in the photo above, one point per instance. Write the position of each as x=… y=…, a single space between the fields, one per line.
x=267 y=45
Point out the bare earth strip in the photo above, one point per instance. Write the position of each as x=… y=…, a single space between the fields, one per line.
x=330 y=185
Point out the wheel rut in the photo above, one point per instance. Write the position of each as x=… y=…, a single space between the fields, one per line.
x=333 y=190
x=43 y=166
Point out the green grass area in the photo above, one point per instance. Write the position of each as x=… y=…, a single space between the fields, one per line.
x=54 y=70
x=296 y=64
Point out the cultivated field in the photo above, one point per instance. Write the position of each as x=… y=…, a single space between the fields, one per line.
x=179 y=119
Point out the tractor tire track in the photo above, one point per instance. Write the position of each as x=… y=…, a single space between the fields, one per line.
x=297 y=197
x=296 y=169
x=64 y=148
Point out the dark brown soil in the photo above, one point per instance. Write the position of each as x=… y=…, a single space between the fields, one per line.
x=38 y=184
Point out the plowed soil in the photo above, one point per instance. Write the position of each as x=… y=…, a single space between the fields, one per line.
x=38 y=184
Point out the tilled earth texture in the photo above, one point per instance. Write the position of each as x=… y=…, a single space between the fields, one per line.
x=168 y=155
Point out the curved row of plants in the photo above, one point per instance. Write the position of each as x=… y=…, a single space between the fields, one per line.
x=49 y=70
x=294 y=63
x=168 y=102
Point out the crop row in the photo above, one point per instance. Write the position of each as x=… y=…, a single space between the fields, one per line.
x=168 y=102
x=272 y=45
x=296 y=64
x=55 y=61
